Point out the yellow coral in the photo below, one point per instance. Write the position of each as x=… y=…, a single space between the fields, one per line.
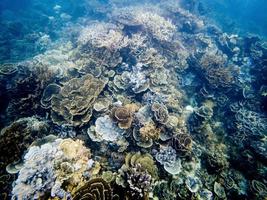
x=149 y=131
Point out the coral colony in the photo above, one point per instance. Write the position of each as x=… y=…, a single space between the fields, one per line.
x=149 y=102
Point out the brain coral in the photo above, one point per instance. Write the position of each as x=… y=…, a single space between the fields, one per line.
x=73 y=104
x=95 y=189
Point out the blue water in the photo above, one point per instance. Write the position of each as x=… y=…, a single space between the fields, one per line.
x=239 y=16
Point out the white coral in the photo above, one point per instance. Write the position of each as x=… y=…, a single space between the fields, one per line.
x=108 y=130
x=103 y=35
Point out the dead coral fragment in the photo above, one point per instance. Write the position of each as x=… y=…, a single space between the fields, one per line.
x=95 y=189
x=124 y=115
x=160 y=112
x=73 y=104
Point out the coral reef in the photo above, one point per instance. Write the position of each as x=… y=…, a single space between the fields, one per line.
x=136 y=100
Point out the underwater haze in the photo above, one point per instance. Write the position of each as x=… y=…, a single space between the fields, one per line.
x=133 y=100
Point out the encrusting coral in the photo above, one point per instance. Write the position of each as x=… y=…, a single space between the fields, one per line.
x=74 y=103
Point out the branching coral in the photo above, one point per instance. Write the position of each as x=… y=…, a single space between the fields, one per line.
x=50 y=166
x=95 y=189
x=158 y=26
x=138 y=173
x=73 y=104
x=150 y=57
x=103 y=35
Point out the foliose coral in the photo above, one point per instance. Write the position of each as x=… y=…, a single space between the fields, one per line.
x=95 y=189
x=105 y=35
x=161 y=113
x=74 y=103
x=106 y=129
x=145 y=135
x=182 y=143
x=168 y=158
x=8 y=69
x=124 y=115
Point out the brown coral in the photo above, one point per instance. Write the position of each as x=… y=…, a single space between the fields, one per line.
x=17 y=137
x=215 y=71
x=182 y=143
x=73 y=104
x=95 y=189
x=145 y=136
x=124 y=115
x=160 y=112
